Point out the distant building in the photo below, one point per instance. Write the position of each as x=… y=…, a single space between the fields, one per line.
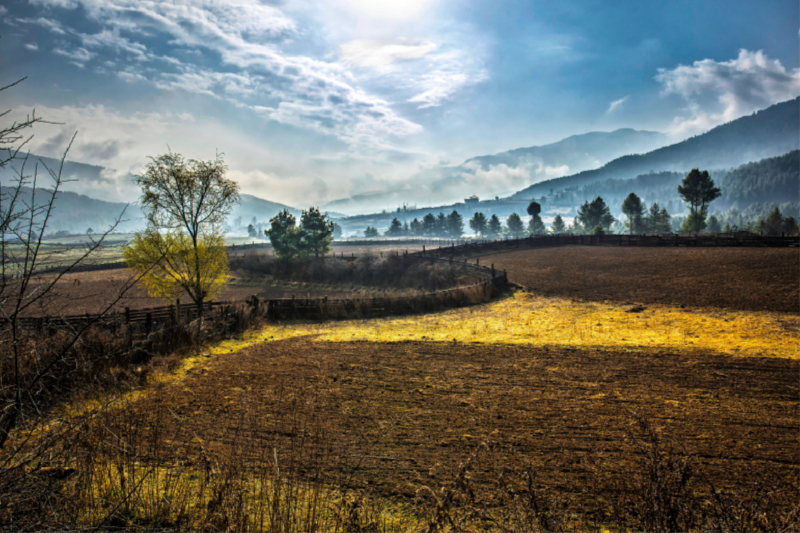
x=472 y=199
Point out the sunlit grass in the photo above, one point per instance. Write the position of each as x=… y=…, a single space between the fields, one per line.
x=528 y=319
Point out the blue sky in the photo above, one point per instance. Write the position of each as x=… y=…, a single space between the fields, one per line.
x=314 y=100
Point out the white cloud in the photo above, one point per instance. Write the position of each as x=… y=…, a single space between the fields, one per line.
x=616 y=105
x=52 y=25
x=32 y=46
x=303 y=92
x=502 y=178
x=109 y=138
x=446 y=75
x=79 y=56
x=376 y=54
x=113 y=40
x=3 y=10
x=130 y=77
x=740 y=86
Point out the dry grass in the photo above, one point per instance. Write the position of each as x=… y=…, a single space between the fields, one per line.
x=528 y=319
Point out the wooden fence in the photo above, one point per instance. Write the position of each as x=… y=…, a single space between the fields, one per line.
x=718 y=240
x=146 y=321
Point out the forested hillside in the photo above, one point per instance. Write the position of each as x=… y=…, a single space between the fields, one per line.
x=767 y=133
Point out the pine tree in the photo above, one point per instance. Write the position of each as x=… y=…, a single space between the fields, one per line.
x=590 y=214
x=515 y=226
x=395 y=228
x=634 y=209
x=455 y=225
x=495 y=227
x=558 y=225
x=478 y=224
x=697 y=189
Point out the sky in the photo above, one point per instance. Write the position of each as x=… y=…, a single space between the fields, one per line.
x=311 y=101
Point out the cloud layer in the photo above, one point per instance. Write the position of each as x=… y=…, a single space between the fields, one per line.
x=750 y=82
x=244 y=61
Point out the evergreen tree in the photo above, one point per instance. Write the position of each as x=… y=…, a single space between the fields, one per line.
x=337 y=231
x=455 y=225
x=789 y=226
x=316 y=232
x=558 y=225
x=664 y=225
x=598 y=230
x=657 y=220
x=534 y=208
x=515 y=226
x=429 y=225
x=536 y=226
x=441 y=225
x=406 y=229
x=395 y=229
x=495 y=227
x=694 y=223
x=590 y=214
x=634 y=209
x=478 y=224
x=416 y=228
x=284 y=235
x=713 y=225
x=371 y=232
x=697 y=189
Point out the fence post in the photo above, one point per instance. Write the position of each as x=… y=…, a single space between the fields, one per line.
x=148 y=323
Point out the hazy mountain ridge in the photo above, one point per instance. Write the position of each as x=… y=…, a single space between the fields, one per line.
x=584 y=149
x=76 y=212
x=767 y=133
x=502 y=173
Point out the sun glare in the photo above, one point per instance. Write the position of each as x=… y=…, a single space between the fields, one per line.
x=387 y=9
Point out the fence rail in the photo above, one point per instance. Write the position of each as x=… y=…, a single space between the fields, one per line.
x=718 y=240
x=490 y=284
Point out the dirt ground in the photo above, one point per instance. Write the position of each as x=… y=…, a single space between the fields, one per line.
x=752 y=279
x=89 y=292
x=389 y=418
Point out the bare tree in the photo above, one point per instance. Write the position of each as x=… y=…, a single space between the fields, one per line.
x=33 y=369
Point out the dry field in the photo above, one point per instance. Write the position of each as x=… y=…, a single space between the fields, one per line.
x=701 y=344
x=89 y=292
x=754 y=279
x=391 y=417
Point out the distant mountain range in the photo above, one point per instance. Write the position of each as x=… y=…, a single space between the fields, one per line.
x=768 y=133
x=76 y=212
x=503 y=173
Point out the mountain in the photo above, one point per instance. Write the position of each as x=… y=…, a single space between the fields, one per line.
x=579 y=152
x=505 y=172
x=252 y=207
x=77 y=212
x=771 y=181
x=767 y=133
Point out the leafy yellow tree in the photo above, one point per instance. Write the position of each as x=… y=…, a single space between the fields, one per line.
x=180 y=267
x=186 y=203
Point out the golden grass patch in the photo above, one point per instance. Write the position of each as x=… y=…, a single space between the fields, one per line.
x=528 y=319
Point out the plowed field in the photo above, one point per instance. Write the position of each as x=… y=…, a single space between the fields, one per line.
x=393 y=416
x=753 y=279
